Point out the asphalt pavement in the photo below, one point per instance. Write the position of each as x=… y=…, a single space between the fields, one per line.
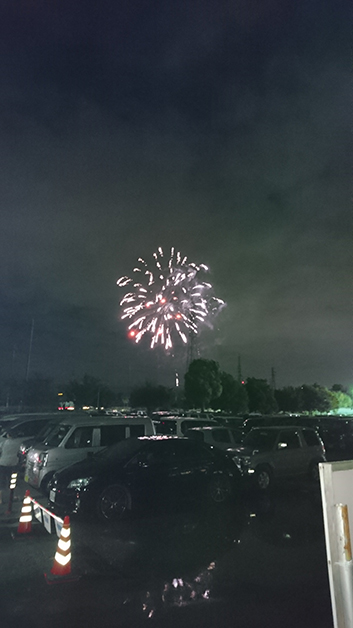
x=258 y=562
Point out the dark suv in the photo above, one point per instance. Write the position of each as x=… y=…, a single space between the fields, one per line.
x=274 y=453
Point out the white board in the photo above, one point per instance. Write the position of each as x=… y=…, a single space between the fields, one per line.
x=336 y=479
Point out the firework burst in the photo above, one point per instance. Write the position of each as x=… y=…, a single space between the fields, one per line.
x=168 y=300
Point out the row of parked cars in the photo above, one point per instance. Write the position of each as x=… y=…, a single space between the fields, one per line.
x=111 y=465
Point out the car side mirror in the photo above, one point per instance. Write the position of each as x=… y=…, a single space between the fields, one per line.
x=282 y=445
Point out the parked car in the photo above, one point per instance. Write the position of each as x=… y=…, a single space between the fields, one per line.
x=273 y=453
x=75 y=438
x=8 y=420
x=217 y=436
x=267 y=421
x=14 y=433
x=141 y=473
x=335 y=432
x=236 y=422
x=32 y=441
x=177 y=426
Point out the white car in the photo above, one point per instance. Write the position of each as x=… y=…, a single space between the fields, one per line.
x=75 y=438
x=12 y=437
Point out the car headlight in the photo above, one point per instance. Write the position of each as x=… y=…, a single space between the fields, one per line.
x=79 y=483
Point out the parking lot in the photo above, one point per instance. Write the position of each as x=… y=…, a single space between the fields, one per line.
x=262 y=556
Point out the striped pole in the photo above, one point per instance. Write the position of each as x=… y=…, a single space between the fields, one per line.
x=13 y=481
x=25 y=523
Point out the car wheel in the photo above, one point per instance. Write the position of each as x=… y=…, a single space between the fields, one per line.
x=220 y=488
x=113 y=503
x=314 y=473
x=263 y=478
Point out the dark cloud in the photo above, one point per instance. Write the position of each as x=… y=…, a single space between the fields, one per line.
x=220 y=128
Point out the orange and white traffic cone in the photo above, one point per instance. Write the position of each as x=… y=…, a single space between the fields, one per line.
x=61 y=569
x=25 y=522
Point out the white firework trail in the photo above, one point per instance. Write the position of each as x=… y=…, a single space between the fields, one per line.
x=167 y=301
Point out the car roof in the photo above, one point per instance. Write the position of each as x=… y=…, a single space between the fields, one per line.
x=210 y=428
x=161 y=437
x=29 y=416
x=282 y=428
x=185 y=418
x=101 y=420
x=15 y=422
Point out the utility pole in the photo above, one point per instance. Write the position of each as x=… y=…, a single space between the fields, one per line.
x=190 y=355
x=30 y=350
x=240 y=378
x=12 y=376
x=273 y=379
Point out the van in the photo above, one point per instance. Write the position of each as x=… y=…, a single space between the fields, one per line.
x=73 y=439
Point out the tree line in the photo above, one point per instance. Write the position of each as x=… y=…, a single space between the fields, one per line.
x=205 y=386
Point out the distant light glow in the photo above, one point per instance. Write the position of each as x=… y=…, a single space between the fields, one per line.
x=176 y=299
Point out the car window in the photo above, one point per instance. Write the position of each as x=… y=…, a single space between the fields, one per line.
x=34 y=428
x=263 y=440
x=289 y=438
x=311 y=438
x=237 y=435
x=195 y=434
x=137 y=430
x=80 y=437
x=185 y=425
x=56 y=436
x=221 y=436
x=166 y=427
x=46 y=430
x=29 y=428
x=156 y=452
x=122 y=451
x=111 y=434
x=190 y=450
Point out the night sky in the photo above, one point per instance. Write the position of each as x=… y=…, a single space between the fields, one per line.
x=220 y=127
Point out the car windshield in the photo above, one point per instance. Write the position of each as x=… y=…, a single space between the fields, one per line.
x=166 y=427
x=56 y=435
x=263 y=440
x=46 y=431
x=4 y=426
x=13 y=432
x=124 y=450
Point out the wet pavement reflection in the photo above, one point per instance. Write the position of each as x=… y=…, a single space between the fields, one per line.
x=259 y=561
x=271 y=545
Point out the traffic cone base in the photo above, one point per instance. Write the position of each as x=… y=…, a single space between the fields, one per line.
x=51 y=579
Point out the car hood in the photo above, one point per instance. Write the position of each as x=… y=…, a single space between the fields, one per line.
x=242 y=451
x=86 y=468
